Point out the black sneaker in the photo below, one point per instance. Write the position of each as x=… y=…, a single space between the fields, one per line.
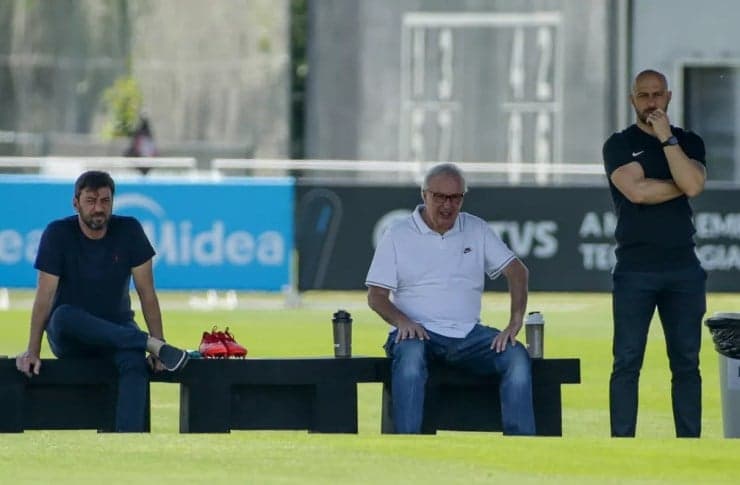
x=172 y=358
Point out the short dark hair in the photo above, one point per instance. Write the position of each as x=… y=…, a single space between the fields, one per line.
x=94 y=180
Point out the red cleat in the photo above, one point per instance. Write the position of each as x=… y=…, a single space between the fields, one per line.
x=233 y=348
x=211 y=346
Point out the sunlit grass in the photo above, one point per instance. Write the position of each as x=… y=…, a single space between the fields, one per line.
x=577 y=325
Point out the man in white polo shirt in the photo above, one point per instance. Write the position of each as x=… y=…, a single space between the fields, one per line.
x=433 y=263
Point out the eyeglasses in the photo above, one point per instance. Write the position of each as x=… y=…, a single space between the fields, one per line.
x=441 y=198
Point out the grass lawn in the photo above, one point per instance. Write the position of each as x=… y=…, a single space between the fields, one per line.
x=577 y=325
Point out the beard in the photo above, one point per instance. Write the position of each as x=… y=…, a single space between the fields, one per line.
x=642 y=116
x=95 y=222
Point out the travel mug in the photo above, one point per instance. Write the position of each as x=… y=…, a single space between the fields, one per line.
x=342 y=329
x=534 y=326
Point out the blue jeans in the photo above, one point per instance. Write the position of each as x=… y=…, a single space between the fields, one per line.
x=680 y=299
x=75 y=333
x=473 y=353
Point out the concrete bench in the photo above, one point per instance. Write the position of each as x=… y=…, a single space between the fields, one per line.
x=456 y=400
x=67 y=394
x=315 y=394
x=216 y=396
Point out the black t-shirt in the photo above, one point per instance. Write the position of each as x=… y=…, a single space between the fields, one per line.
x=94 y=274
x=651 y=236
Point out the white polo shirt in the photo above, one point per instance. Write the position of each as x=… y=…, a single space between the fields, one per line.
x=437 y=280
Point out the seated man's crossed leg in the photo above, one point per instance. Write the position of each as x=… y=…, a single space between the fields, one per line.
x=75 y=333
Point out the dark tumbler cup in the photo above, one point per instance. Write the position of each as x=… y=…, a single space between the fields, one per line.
x=342 y=326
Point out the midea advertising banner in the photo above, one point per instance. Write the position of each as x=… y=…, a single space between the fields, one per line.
x=235 y=233
x=565 y=235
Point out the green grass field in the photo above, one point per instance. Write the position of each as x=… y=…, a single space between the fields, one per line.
x=577 y=325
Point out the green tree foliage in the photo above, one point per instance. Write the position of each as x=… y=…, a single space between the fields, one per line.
x=123 y=102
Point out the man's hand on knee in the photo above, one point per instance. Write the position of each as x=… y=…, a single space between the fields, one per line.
x=506 y=336
x=409 y=330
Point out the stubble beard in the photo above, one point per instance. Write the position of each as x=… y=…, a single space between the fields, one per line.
x=91 y=223
x=643 y=116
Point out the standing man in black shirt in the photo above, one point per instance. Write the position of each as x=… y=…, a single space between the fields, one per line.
x=653 y=170
x=85 y=264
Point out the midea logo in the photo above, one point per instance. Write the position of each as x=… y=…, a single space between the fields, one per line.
x=178 y=244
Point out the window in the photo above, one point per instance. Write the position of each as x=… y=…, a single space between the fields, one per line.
x=711 y=109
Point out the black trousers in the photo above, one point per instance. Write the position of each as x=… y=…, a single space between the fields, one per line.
x=680 y=297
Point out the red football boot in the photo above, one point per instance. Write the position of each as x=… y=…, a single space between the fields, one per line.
x=211 y=346
x=233 y=348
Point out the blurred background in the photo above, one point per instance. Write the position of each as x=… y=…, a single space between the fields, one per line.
x=342 y=105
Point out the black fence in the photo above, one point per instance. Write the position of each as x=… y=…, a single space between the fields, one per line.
x=563 y=234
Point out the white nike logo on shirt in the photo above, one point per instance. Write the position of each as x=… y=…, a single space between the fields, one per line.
x=637 y=154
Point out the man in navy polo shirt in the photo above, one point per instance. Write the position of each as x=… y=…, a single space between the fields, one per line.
x=85 y=264
x=433 y=263
x=653 y=169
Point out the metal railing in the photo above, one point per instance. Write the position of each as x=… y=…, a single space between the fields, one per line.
x=352 y=171
x=404 y=171
x=62 y=166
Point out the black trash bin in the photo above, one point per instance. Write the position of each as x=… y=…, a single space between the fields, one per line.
x=725 y=330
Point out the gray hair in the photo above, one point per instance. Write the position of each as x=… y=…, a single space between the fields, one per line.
x=444 y=169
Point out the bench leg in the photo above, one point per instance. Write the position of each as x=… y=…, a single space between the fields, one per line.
x=335 y=408
x=205 y=408
x=386 y=420
x=11 y=408
x=547 y=410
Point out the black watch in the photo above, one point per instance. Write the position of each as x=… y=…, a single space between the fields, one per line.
x=670 y=142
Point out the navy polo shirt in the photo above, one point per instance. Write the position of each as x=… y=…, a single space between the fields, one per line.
x=94 y=274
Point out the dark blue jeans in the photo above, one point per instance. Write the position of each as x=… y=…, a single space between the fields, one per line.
x=473 y=353
x=75 y=333
x=680 y=297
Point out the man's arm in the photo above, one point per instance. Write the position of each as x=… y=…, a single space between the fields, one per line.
x=378 y=299
x=688 y=174
x=46 y=288
x=631 y=182
x=144 y=284
x=517 y=277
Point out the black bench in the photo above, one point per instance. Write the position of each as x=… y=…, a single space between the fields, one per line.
x=316 y=394
x=457 y=400
x=67 y=394
x=216 y=396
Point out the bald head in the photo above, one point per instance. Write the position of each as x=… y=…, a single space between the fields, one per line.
x=649 y=93
x=649 y=75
